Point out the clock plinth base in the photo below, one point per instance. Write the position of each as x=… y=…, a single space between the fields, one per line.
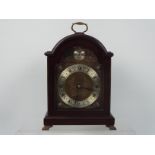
x=89 y=120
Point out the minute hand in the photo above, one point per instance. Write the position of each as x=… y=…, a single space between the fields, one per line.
x=86 y=88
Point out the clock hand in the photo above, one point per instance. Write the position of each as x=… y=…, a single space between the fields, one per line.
x=81 y=87
x=77 y=92
x=86 y=88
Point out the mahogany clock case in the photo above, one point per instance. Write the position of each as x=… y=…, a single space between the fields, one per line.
x=78 y=116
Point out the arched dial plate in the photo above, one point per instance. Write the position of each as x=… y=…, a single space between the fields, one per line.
x=79 y=86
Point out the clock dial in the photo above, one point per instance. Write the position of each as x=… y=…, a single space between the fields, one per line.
x=79 y=85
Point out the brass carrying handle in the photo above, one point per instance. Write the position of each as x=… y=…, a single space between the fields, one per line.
x=79 y=23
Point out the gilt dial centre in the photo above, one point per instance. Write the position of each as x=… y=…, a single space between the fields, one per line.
x=78 y=86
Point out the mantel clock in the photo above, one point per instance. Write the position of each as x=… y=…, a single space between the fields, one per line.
x=79 y=82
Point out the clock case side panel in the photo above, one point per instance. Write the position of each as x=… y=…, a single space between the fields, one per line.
x=50 y=85
x=57 y=117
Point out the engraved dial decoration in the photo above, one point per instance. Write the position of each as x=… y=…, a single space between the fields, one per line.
x=79 y=86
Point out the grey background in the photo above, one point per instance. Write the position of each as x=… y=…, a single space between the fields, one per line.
x=23 y=74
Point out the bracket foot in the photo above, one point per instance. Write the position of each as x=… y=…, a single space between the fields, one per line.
x=111 y=127
x=46 y=127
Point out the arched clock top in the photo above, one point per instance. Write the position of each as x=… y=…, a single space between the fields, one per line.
x=79 y=40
